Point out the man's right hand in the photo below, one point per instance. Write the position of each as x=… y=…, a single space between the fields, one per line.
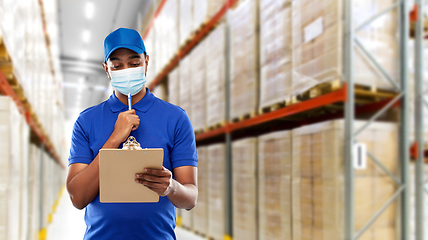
x=126 y=122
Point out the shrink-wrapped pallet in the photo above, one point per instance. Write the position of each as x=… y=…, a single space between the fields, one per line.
x=204 y=10
x=318 y=181
x=244 y=55
x=166 y=28
x=216 y=194
x=274 y=181
x=275 y=52
x=150 y=44
x=318 y=43
x=184 y=86
x=160 y=91
x=244 y=188
x=215 y=61
x=34 y=193
x=185 y=20
x=200 y=212
x=11 y=177
x=24 y=135
x=198 y=79
x=173 y=86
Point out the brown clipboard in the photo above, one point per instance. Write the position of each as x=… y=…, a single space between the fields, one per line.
x=117 y=174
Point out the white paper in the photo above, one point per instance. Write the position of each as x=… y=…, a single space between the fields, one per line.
x=313 y=30
x=360 y=156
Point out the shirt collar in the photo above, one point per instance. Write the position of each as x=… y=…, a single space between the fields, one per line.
x=143 y=105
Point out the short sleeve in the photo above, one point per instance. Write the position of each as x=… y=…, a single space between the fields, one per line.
x=80 y=151
x=184 y=150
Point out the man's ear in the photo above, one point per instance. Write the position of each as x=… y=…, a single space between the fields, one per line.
x=147 y=63
x=106 y=70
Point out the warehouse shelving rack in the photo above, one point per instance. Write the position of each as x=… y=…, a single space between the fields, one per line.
x=404 y=187
x=7 y=89
x=420 y=107
x=344 y=95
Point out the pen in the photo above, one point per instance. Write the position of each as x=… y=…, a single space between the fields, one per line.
x=129 y=101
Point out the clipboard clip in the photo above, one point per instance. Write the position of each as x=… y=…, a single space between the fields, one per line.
x=131 y=144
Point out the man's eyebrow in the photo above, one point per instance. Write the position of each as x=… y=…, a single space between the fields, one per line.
x=114 y=58
x=134 y=56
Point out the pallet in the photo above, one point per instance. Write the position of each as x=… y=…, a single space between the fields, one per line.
x=273 y=107
x=199 y=131
x=245 y=116
x=4 y=55
x=363 y=95
x=201 y=234
x=216 y=126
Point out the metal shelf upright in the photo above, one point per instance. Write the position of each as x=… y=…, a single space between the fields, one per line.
x=420 y=105
x=403 y=183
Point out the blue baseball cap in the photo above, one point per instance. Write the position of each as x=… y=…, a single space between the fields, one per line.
x=123 y=38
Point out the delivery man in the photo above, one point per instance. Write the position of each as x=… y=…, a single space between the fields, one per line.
x=155 y=124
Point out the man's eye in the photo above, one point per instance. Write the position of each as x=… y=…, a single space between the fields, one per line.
x=116 y=67
x=136 y=64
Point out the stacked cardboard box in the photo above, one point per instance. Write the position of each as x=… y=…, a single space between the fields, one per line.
x=10 y=179
x=184 y=85
x=173 y=86
x=14 y=171
x=185 y=20
x=318 y=42
x=160 y=91
x=29 y=59
x=150 y=44
x=244 y=188
x=216 y=194
x=166 y=26
x=318 y=181
x=275 y=52
x=274 y=172
x=34 y=193
x=197 y=60
x=244 y=50
x=204 y=10
x=200 y=212
x=215 y=61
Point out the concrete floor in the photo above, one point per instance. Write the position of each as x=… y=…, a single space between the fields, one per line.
x=68 y=223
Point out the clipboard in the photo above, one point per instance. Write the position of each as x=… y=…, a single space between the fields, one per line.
x=117 y=174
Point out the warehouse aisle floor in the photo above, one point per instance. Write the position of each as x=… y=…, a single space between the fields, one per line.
x=68 y=224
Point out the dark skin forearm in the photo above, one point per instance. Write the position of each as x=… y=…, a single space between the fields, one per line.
x=185 y=196
x=83 y=180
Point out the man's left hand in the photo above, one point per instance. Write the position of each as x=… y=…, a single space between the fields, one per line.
x=159 y=181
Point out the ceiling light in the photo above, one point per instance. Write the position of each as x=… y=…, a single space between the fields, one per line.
x=84 y=55
x=89 y=10
x=86 y=36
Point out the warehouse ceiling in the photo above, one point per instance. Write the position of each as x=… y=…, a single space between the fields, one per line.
x=83 y=26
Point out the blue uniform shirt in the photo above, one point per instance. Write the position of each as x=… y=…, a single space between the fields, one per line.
x=162 y=125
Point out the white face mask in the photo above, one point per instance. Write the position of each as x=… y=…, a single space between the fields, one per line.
x=130 y=80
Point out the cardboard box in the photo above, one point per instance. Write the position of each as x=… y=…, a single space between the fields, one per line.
x=274 y=186
x=318 y=43
x=198 y=79
x=216 y=76
x=244 y=48
x=200 y=212
x=244 y=188
x=217 y=191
